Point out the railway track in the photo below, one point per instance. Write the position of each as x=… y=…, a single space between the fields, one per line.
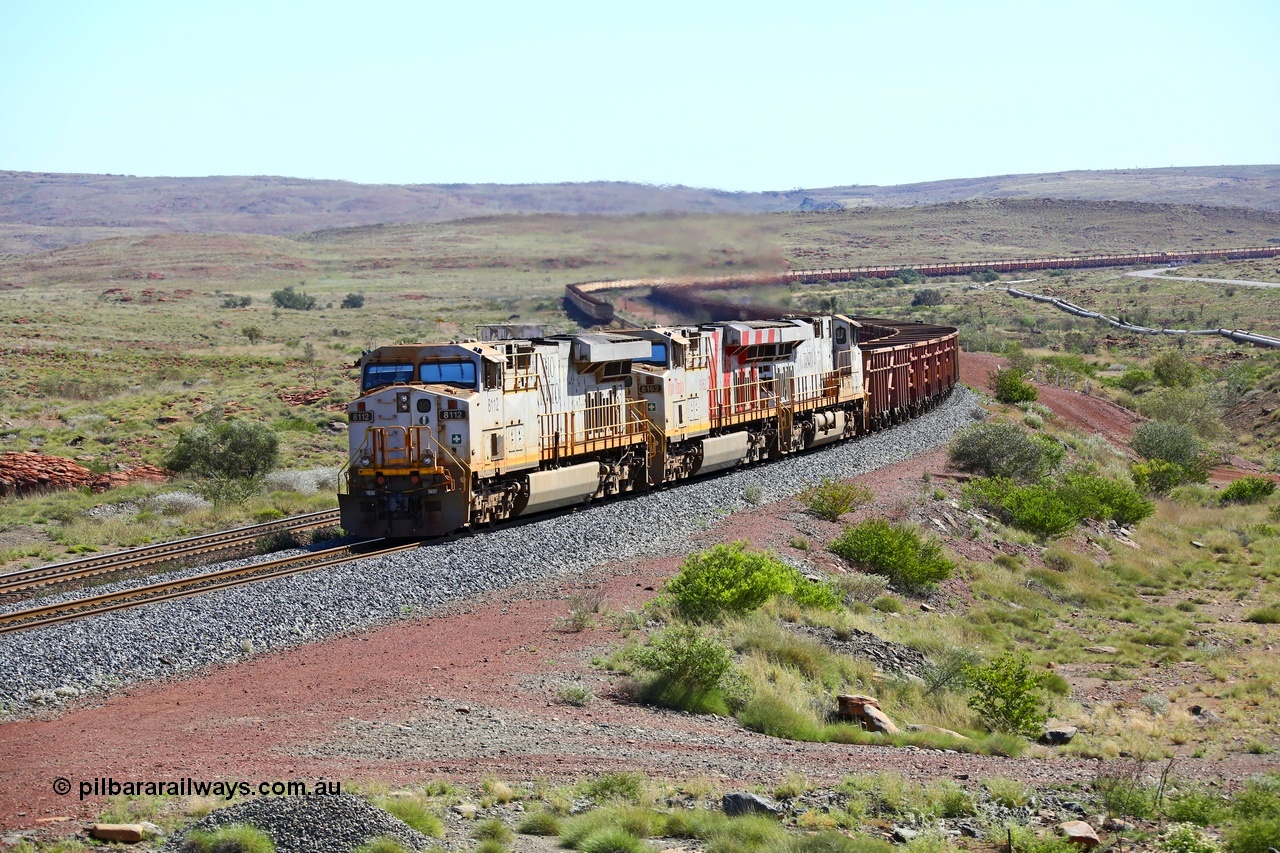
x=163 y=552
x=82 y=608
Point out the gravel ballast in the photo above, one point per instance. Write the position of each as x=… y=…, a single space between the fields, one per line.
x=335 y=823
x=47 y=666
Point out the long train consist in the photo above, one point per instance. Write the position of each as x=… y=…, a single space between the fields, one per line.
x=449 y=435
x=584 y=297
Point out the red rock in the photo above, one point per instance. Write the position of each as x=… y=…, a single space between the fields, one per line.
x=130 y=833
x=1079 y=832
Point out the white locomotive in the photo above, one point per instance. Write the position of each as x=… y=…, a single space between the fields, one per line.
x=454 y=434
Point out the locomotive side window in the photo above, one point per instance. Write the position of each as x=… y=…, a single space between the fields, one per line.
x=424 y=405
x=841 y=335
x=657 y=355
x=377 y=375
x=459 y=373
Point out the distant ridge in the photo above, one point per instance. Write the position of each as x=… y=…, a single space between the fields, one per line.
x=41 y=211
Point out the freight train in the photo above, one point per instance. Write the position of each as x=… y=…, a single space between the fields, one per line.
x=451 y=435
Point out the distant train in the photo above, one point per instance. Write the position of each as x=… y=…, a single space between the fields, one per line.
x=449 y=435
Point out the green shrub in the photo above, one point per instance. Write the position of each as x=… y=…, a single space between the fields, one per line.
x=1004 y=450
x=541 y=822
x=1135 y=379
x=415 y=813
x=236 y=449
x=1157 y=476
x=689 y=667
x=234 y=301
x=831 y=499
x=1201 y=806
x=1173 y=442
x=237 y=838
x=896 y=551
x=1269 y=615
x=1006 y=695
x=352 y=300
x=1053 y=509
x=831 y=841
x=1248 y=490
x=1253 y=835
x=493 y=829
x=293 y=299
x=753 y=495
x=749 y=834
x=888 y=604
x=612 y=840
x=1010 y=386
x=1175 y=370
x=773 y=715
x=1186 y=838
x=616 y=787
x=1104 y=499
x=732 y=579
x=381 y=845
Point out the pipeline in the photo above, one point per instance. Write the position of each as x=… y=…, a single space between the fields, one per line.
x=1239 y=335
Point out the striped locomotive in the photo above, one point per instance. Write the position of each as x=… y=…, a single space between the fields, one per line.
x=450 y=435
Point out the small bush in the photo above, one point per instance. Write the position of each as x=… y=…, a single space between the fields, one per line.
x=1201 y=806
x=748 y=833
x=177 y=503
x=612 y=840
x=1253 y=835
x=753 y=495
x=831 y=841
x=1248 y=490
x=1173 y=442
x=575 y=694
x=416 y=813
x=1187 y=838
x=732 y=579
x=831 y=499
x=1105 y=499
x=1175 y=370
x=542 y=822
x=857 y=586
x=1269 y=615
x=381 y=845
x=686 y=658
x=237 y=838
x=1157 y=476
x=1008 y=793
x=896 y=551
x=1006 y=695
x=353 y=300
x=617 y=788
x=493 y=829
x=234 y=301
x=771 y=714
x=1004 y=450
x=1010 y=386
x=888 y=604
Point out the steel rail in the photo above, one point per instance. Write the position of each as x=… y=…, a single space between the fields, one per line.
x=84 y=567
x=80 y=608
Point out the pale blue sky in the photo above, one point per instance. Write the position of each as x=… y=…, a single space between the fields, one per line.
x=738 y=96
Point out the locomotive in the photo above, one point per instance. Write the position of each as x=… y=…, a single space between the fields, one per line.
x=450 y=435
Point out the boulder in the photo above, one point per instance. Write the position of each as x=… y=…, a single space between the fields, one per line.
x=1058 y=735
x=129 y=833
x=1080 y=833
x=740 y=803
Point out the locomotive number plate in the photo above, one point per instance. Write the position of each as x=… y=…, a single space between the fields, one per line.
x=359 y=416
x=453 y=414
x=650 y=389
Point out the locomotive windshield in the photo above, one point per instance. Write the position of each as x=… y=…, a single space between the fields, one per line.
x=377 y=375
x=459 y=373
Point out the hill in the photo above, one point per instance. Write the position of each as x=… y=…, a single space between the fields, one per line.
x=41 y=211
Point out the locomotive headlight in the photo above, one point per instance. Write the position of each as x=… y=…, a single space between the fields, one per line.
x=427 y=459
x=366 y=461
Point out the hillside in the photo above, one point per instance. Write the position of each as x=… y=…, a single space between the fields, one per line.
x=41 y=211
